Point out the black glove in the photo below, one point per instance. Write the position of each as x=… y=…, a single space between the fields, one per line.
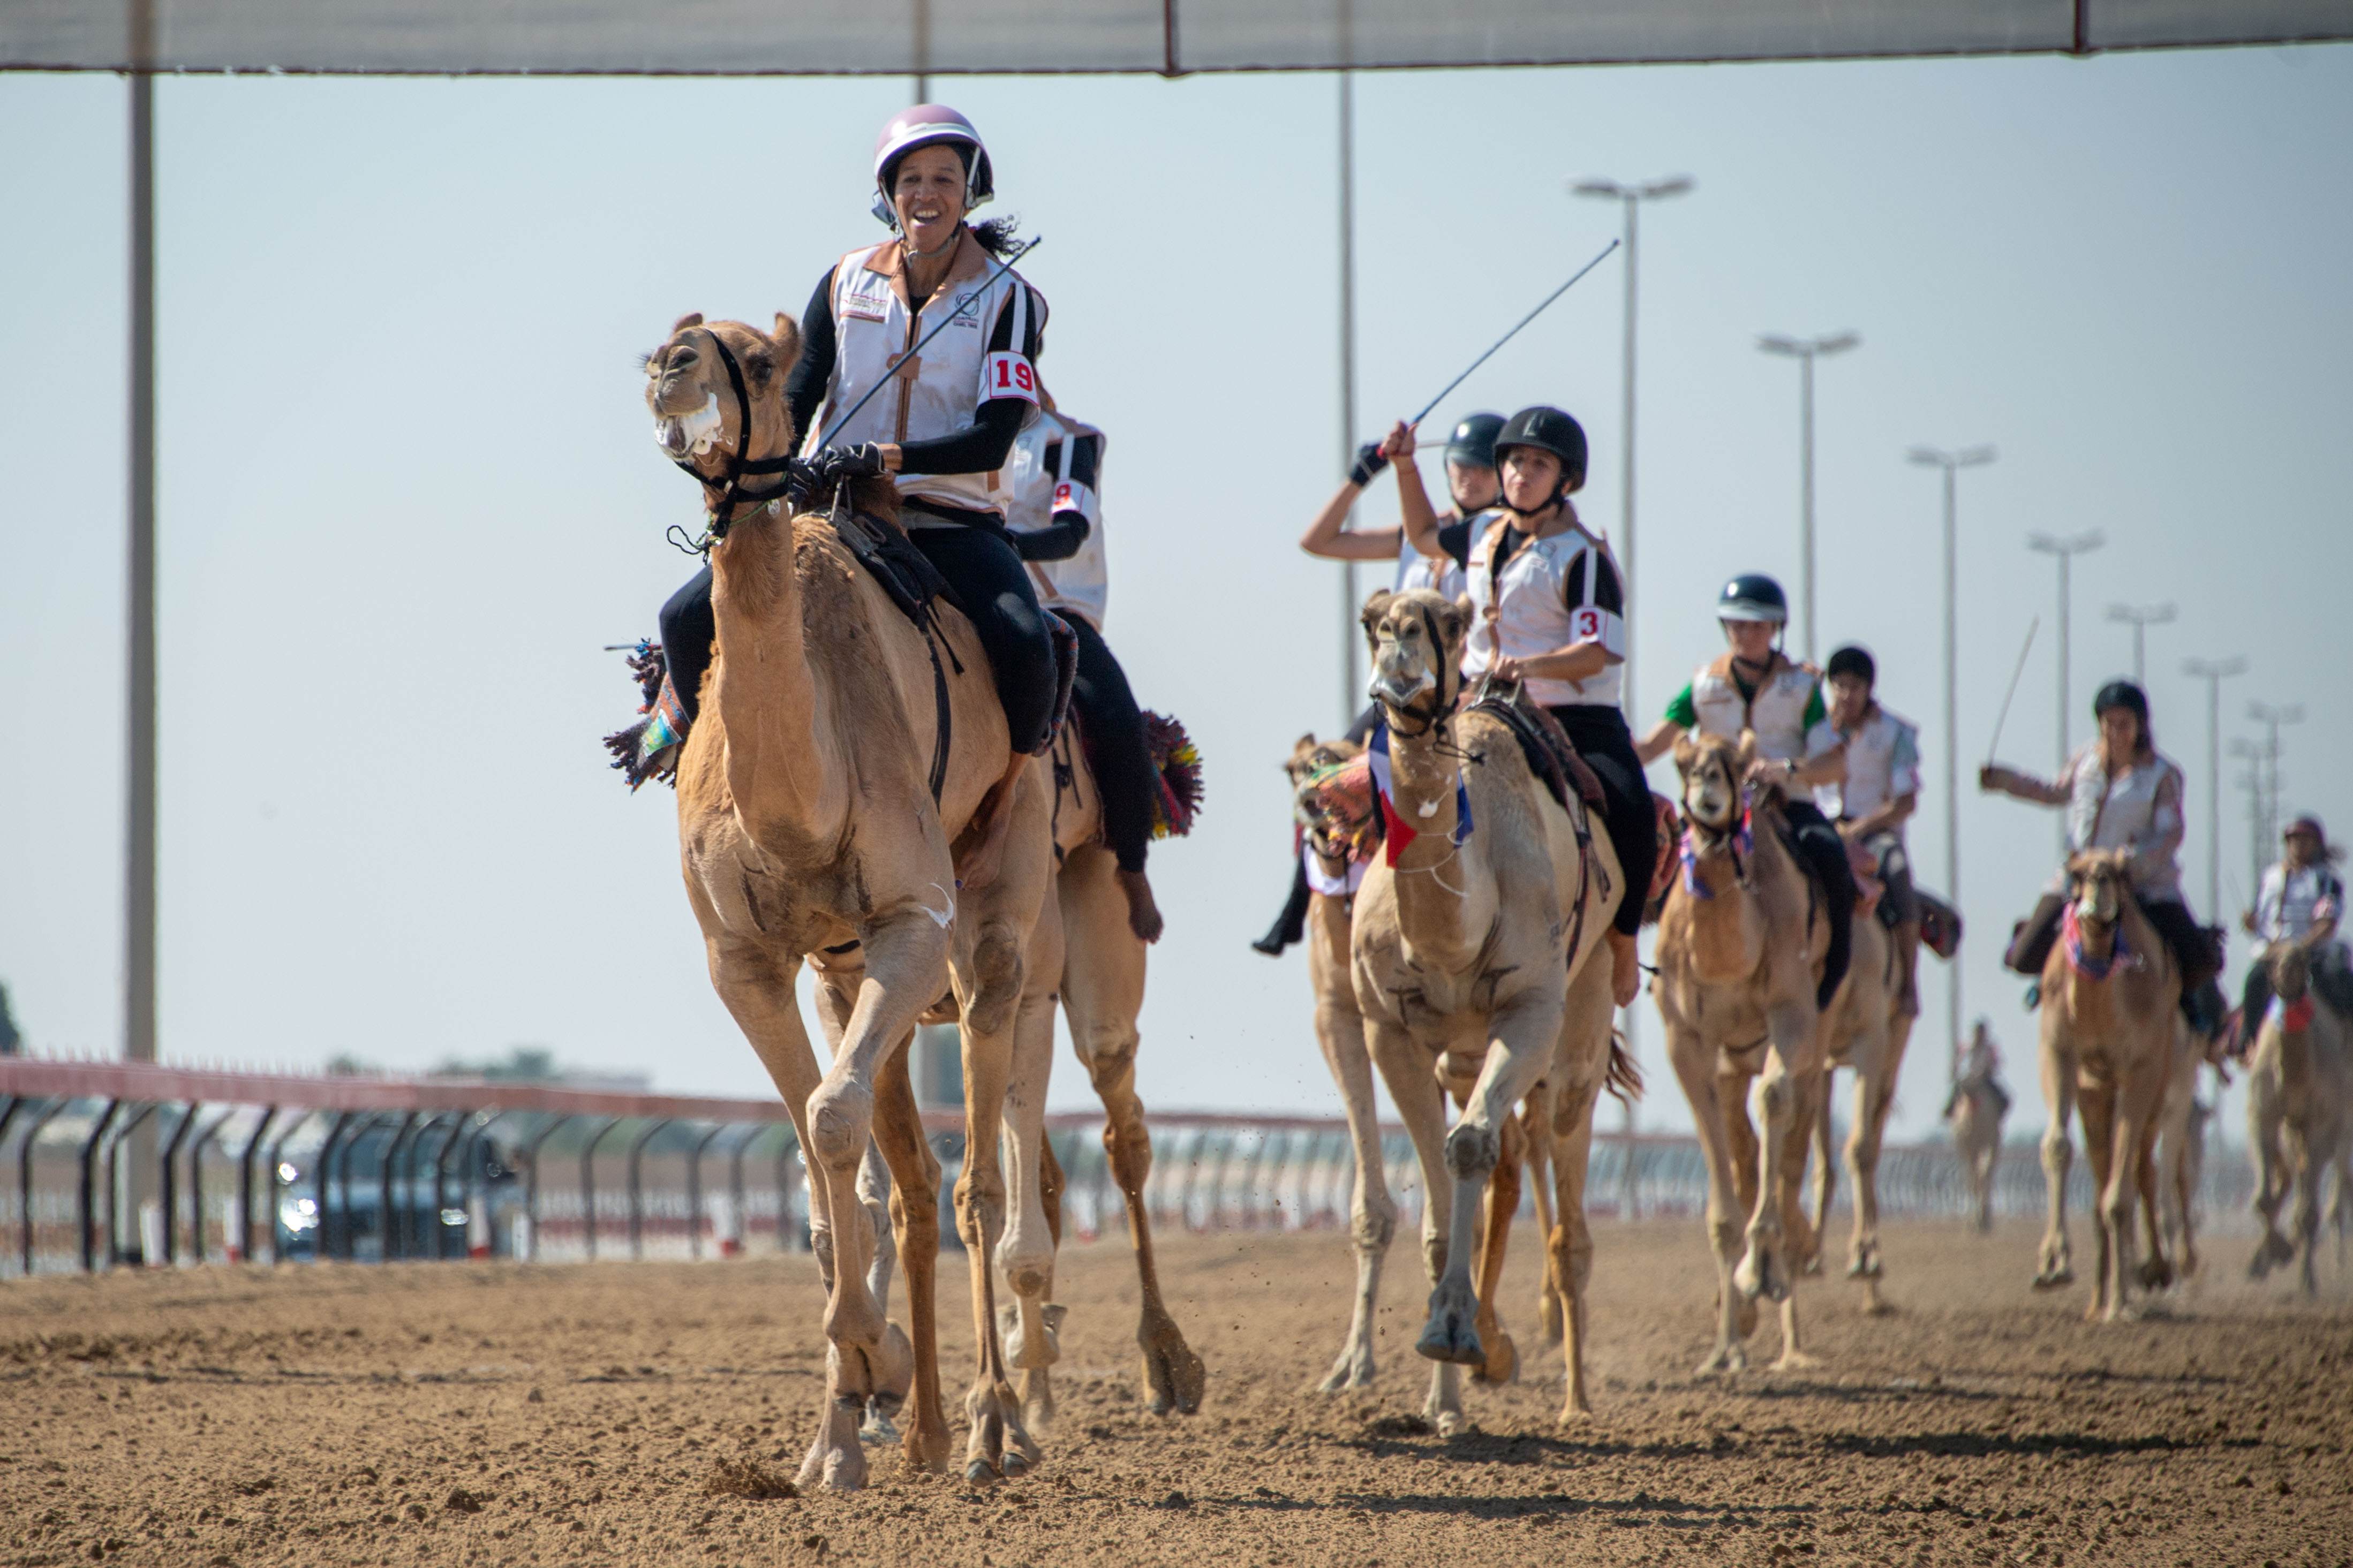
x=1370 y=461
x=834 y=463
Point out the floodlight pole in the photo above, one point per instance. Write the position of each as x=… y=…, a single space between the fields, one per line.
x=2140 y=617
x=1952 y=463
x=1805 y=351
x=2067 y=549
x=2213 y=672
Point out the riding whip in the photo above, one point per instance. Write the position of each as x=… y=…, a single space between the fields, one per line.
x=1507 y=337
x=1003 y=268
x=2003 y=717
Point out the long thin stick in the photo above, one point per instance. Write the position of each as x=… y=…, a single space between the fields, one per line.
x=1003 y=268
x=2003 y=717
x=1507 y=337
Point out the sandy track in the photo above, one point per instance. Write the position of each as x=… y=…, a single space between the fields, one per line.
x=327 y=1416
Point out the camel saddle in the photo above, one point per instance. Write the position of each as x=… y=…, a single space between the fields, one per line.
x=1546 y=745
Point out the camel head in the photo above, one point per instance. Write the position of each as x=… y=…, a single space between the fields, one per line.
x=1712 y=770
x=2291 y=966
x=1416 y=640
x=698 y=416
x=1325 y=807
x=2098 y=882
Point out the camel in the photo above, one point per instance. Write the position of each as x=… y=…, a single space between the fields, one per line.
x=1470 y=953
x=810 y=832
x=1741 y=943
x=1866 y=1029
x=1976 y=1116
x=2111 y=1032
x=2299 y=1111
x=2180 y=1155
x=1331 y=839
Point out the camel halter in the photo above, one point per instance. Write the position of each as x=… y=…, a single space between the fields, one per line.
x=1738 y=837
x=728 y=492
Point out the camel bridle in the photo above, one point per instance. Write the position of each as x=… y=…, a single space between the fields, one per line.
x=725 y=495
x=1713 y=837
x=1434 y=719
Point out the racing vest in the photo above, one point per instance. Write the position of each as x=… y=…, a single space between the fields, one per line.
x=1525 y=610
x=1038 y=483
x=1777 y=713
x=2138 y=809
x=938 y=392
x=1883 y=763
x=1416 y=570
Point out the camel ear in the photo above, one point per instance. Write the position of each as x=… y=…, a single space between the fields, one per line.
x=1375 y=608
x=692 y=319
x=787 y=339
x=1453 y=622
x=1686 y=753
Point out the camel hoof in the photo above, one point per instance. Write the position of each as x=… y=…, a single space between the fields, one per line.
x=1758 y=1275
x=1500 y=1366
x=1448 y=1422
x=1727 y=1358
x=1795 y=1361
x=978 y=1472
x=1177 y=1378
x=2155 y=1275
x=2054 y=1279
x=1864 y=1266
x=1450 y=1338
x=1017 y=1464
x=877 y=1428
x=1813 y=1267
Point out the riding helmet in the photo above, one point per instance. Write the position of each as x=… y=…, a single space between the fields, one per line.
x=1853 y=659
x=1548 y=429
x=927 y=125
x=1752 y=596
x=1472 y=444
x=2122 y=693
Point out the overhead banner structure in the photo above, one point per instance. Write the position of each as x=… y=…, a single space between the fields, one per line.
x=1170 y=37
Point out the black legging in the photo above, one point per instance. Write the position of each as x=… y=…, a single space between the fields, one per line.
x=1115 y=745
x=1599 y=734
x=1825 y=851
x=990 y=586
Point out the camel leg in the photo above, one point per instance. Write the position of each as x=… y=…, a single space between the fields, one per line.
x=2264 y=1120
x=903 y=952
x=1693 y=1061
x=1522 y=1032
x=1825 y=1169
x=877 y=1194
x=1874 y=1094
x=1502 y=1364
x=1026 y=1252
x=1406 y=1067
x=1552 y=1293
x=2309 y=1170
x=2139 y=1098
x=2111 y=1189
x=1567 y=1137
x=1778 y=1095
x=2058 y=1064
x=914 y=1183
x=1102 y=993
x=757 y=989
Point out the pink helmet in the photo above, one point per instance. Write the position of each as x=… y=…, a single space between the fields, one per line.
x=927 y=125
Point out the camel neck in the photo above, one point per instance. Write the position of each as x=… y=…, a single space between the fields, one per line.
x=767 y=695
x=1436 y=888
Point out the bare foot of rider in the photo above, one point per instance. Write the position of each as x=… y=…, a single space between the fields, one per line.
x=1143 y=915
x=1625 y=969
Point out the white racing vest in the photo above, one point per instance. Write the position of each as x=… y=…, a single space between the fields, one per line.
x=1416 y=570
x=1038 y=482
x=940 y=391
x=1882 y=763
x=2138 y=809
x=1527 y=612
x=1777 y=715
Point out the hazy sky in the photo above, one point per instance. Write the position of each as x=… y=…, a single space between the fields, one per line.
x=408 y=488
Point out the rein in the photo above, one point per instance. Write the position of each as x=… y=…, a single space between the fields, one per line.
x=1738 y=841
x=723 y=495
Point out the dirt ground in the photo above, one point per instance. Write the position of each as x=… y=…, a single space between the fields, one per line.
x=497 y=1413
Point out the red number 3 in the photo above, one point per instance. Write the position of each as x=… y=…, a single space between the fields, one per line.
x=1589 y=624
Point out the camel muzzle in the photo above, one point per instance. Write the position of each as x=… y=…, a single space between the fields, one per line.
x=680 y=433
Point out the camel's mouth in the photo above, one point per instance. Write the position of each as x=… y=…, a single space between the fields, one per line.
x=695 y=433
x=1398 y=694
x=1708 y=801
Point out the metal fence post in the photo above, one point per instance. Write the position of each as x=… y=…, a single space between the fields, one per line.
x=694 y=1190
x=114 y=1184
x=786 y=1147
x=530 y=1153
x=469 y=1165
x=88 y=1180
x=196 y=1183
x=433 y=1226
x=24 y=1178
x=171 y=1185
x=637 y=1189
x=322 y=1193
x=270 y=1182
x=388 y=1246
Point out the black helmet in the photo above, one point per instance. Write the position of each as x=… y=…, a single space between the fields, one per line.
x=2122 y=693
x=1853 y=659
x=1547 y=430
x=1472 y=444
x=1752 y=596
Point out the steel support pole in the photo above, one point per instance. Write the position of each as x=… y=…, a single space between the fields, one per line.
x=1351 y=697
x=388 y=1245
x=1806 y=489
x=171 y=1185
x=786 y=1147
x=694 y=1190
x=82 y=1218
x=323 y=1189
x=736 y=1177
x=588 y=1183
x=114 y=1181
x=1634 y=205
x=530 y=1156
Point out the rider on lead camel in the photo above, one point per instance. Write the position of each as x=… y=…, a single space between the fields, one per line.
x=947 y=428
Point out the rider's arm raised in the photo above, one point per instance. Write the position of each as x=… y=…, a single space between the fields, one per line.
x=2001 y=779
x=1329 y=537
